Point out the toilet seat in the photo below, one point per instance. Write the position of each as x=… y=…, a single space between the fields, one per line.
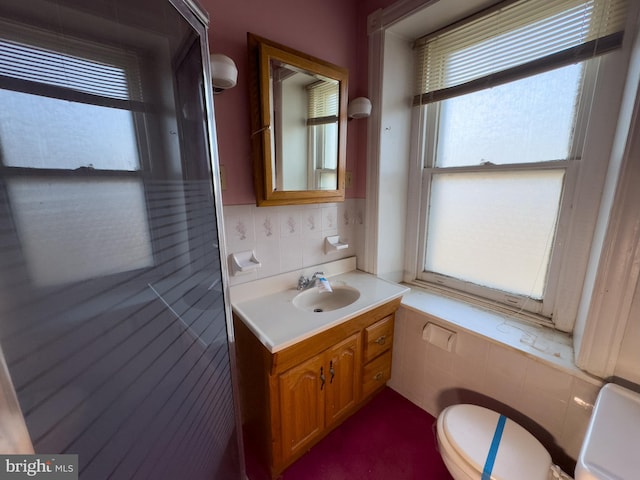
x=465 y=435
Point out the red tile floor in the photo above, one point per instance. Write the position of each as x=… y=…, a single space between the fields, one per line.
x=390 y=438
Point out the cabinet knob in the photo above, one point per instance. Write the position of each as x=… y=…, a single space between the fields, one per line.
x=381 y=340
x=331 y=371
x=378 y=376
x=322 y=378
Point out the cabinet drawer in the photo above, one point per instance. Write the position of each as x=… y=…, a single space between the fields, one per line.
x=376 y=374
x=378 y=338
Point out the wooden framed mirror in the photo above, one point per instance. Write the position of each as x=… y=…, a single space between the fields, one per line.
x=298 y=125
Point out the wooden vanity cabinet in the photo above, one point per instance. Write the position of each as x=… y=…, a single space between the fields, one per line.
x=294 y=397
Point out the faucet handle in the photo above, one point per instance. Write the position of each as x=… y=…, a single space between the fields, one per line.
x=308 y=282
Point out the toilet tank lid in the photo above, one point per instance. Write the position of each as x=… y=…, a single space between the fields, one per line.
x=610 y=450
x=470 y=430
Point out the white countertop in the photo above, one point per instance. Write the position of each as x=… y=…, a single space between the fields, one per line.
x=277 y=323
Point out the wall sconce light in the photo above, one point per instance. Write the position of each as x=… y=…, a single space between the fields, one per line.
x=359 y=108
x=224 y=73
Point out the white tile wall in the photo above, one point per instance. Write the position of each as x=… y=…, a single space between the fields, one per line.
x=479 y=371
x=292 y=237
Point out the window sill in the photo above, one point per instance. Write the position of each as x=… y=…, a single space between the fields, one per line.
x=550 y=346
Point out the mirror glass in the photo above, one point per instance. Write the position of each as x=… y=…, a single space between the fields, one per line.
x=299 y=126
x=305 y=111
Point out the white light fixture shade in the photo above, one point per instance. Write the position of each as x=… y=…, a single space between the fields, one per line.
x=359 y=108
x=224 y=73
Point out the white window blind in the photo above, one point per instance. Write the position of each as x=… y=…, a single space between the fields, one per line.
x=513 y=40
x=53 y=68
x=323 y=103
x=55 y=84
x=59 y=64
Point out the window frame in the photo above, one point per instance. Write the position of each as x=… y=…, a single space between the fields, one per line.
x=538 y=310
x=570 y=252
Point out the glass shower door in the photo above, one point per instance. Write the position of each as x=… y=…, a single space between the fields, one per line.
x=113 y=322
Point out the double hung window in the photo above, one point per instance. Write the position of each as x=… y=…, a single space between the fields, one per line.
x=503 y=102
x=76 y=101
x=322 y=123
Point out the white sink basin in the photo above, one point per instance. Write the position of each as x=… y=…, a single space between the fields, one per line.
x=313 y=300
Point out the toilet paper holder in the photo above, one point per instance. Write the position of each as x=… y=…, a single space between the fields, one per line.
x=439 y=336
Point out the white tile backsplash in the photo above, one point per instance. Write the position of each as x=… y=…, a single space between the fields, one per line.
x=239 y=229
x=506 y=362
x=313 y=248
x=290 y=253
x=268 y=251
x=330 y=217
x=267 y=223
x=292 y=237
x=578 y=415
x=470 y=361
x=290 y=224
x=546 y=410
x=553 y=382
x=440 y=359
x=311 y=222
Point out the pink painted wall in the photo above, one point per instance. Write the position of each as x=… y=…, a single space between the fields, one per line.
x=333 y=30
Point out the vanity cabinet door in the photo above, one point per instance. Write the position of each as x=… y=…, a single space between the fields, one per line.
x=302 y=404
x=342 y=391
x=319 y=393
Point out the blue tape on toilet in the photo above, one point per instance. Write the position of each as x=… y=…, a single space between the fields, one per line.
x=493 y=450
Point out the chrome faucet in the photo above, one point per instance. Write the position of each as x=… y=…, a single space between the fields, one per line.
x=304 y=283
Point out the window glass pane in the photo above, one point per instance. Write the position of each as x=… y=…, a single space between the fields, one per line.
x=529 y=120
x=494 y=229
x=77 y=229
x=327 y=180
x=65 y=135
x=326 y=146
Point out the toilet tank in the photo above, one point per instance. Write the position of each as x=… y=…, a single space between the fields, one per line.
x=611 y=447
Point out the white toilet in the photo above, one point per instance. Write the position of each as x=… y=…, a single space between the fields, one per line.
x=479 y=444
